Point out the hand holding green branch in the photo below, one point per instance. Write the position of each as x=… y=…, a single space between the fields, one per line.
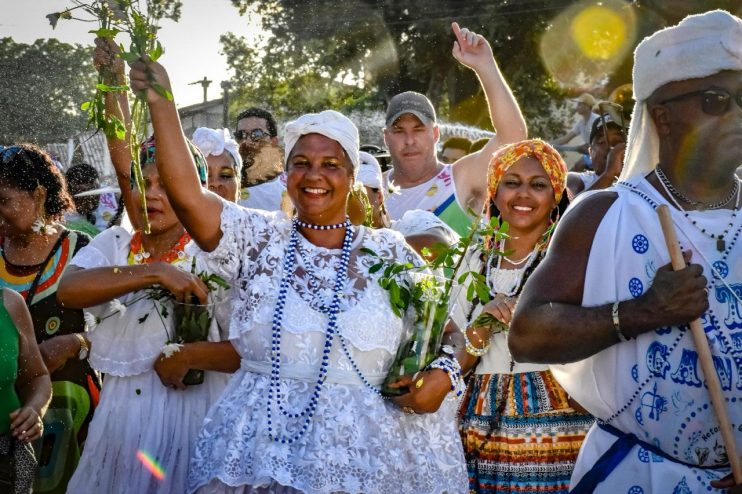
x=416 y=293
x=114 y=17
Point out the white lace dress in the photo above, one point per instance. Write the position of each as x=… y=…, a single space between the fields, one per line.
x=356 y=442
x=137 y=417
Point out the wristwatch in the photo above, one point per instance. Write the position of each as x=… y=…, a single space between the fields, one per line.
x=84 y=347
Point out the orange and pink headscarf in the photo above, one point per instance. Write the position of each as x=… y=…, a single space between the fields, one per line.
x=508 y=155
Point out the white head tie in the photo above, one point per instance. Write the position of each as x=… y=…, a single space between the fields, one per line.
x=213 y=142
x=369 y=174
x=417 y=221
x=699 y=46
x=328 y=123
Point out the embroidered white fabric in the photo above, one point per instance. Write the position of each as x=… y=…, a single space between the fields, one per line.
x=356 y=442
x=136 y=413
x=128 y=344
x=497 y=359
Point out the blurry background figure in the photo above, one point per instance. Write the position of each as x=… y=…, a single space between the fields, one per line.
x=424 y=229
x=455 y=148
x=380 y=154
x=263 y=182
x=581 y=128
x=607 y=145
x=25 y=392
x=36 y=249
x=82 y=178
x=478 y=144
x=369 y=175
x=223 y=160
x=110 y=209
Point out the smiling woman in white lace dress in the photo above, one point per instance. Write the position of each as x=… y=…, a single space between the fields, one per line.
x=315 y=332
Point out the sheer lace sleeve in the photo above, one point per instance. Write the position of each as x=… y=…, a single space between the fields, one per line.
x=244 y=231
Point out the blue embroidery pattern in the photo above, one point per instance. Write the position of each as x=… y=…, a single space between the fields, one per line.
x=657 y=359
x=640 y=244
x=643 y=455
x=635 y=490
x=722 y=268
x=636 y=287
x=682 y=488
x=656 y=403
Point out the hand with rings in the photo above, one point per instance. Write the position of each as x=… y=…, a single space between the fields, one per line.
x=26 y=424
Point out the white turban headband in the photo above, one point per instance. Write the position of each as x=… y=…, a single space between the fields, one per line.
x=213 y=142
x=418 y=221
x=328 y=123
x=369 y=174
x=699 y=46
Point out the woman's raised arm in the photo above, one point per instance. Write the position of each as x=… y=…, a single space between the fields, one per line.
x=198 y=209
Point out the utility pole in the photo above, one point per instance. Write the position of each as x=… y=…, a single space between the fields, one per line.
x=204 y=83
x=226 y=86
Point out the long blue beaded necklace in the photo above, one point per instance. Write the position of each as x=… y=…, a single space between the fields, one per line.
x=314 y=284
x=288 y=271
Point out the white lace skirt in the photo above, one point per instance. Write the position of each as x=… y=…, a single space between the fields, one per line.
x=356 y=442
x=139 y=418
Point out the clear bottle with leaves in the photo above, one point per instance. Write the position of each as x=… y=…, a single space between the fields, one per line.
x=415 y=292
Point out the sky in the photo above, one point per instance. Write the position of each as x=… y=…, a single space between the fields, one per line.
x=191 y=45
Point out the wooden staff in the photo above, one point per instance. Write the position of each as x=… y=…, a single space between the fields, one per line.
x=704 y=353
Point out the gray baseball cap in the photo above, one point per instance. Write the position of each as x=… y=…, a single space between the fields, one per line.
x=410 y=102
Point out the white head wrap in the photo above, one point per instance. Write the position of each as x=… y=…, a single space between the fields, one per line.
x=699 y=46
x=328 y=123
x=418 y=221
x=213 y=142
x=369 y=174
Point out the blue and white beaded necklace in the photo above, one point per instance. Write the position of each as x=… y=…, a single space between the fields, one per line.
x=274 y=393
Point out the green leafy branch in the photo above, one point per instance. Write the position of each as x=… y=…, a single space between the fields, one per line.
x=141 y=24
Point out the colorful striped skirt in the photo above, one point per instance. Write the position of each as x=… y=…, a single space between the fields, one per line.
x=520 y=434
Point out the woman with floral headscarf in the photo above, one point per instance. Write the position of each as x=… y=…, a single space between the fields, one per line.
x=141 y=437
x=519 y=431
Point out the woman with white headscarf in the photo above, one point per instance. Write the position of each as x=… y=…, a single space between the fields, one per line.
x=315 y=332
x=223 y=159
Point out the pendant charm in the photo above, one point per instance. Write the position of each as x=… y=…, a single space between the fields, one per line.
x=721 y=245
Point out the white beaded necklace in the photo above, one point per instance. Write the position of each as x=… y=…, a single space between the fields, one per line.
x=506 y=281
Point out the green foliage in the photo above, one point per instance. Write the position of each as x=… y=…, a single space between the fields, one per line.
x=140 y=23
x=387 y=47
x=40 y=89
x=282 y=84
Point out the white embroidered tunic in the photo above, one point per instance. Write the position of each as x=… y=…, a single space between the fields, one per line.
x=356 y=442
x=653 y=386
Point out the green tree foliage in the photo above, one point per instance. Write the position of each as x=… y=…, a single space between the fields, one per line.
x=390 y=46
x=41 y=88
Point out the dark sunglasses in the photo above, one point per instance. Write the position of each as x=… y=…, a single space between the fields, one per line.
x=254 y=135
x=7 y=153
x=713 y=101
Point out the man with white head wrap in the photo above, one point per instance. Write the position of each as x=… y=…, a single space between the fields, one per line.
x=223 y=160
x=611 y=302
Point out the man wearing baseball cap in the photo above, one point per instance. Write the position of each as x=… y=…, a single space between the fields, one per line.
x=411 y=134
x=607 y=146
x=581 y=128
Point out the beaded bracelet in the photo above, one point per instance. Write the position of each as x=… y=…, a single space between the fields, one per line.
x=471 y=349
x=452 y=368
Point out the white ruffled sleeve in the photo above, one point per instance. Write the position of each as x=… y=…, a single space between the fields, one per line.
x=106 y=249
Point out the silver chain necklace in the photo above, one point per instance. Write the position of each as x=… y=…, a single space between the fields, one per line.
x=672 y=190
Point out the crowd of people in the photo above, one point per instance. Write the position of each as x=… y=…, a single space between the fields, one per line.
x=568 y=368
